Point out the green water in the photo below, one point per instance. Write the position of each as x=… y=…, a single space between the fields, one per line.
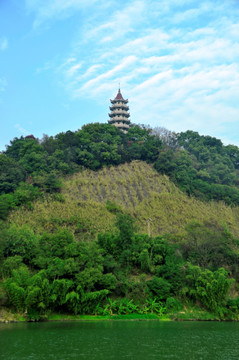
x=119 y=340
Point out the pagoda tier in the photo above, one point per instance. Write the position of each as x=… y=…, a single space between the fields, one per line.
x=124 y=101
x=120 y=119
x=122 y=127
x=117 y=107
x=119 y=115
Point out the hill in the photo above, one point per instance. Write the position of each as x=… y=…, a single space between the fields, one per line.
x=138 y=189
x=102 y=222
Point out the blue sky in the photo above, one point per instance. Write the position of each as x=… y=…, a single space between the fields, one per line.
x=61 y=61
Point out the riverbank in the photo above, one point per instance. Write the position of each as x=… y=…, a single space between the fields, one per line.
x=7 y=316
x=199 y=315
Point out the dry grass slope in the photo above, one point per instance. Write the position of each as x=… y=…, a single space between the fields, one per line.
x=138 y=189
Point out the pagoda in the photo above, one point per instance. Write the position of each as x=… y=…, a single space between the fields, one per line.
x=119 y=115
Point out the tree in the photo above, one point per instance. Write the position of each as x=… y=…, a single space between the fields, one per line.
x=165 y=163
x=159 y=288
x=12 y=173
x=126 y=227
x=210 y=288
x=11 y=263
x=19 y=241
x=16 y=287
x=168 y=138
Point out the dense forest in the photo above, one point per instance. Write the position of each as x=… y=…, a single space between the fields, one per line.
x=73 y=267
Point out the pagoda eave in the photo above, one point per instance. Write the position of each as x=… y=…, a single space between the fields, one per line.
x=119 y=100
x=121 y=106
x=115 y=121
x=119 y=114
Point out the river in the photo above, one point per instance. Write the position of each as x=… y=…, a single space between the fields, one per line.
x=133 y=340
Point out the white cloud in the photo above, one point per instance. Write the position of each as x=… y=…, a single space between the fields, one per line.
x=187 y=15
x=3 y=43
x=21 y=130
x=234 y=30
x=67 y=62
x=201 y=100
x=91 y=70
x=177 y=61
x=151 y=42
x=122 y=22
x=115 y=73
x=73 y=69
x=47 y=10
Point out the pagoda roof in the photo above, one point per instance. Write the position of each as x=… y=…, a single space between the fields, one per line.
x=119 y=97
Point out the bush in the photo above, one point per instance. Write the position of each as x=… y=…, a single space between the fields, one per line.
x=159 y=288
x=173 y=304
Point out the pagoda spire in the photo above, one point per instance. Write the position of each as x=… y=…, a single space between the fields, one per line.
x=119 y=115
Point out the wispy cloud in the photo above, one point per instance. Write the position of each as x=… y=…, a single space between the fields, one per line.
x=122 y=22
x=177 y=60
x=194 y=97
x=55 y=9
x=73 y=69
x=21 y=129
x=94 y=85
x=3 y=43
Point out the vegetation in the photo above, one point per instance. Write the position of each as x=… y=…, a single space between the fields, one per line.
x=75 y=210
x=122 y=273
x=89 y=201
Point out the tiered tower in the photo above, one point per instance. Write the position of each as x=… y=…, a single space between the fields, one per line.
x=119 y=115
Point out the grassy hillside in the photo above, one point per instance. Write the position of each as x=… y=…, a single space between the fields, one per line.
x=137 y=188
x=45 y=269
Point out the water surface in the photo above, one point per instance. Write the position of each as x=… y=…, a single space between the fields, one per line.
x=119 y=340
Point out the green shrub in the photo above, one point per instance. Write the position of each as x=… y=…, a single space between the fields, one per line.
x=173 y=304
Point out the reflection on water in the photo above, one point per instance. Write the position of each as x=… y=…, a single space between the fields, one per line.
x=119 y=340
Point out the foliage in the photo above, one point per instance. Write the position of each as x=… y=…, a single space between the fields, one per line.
x=11 y=174
x=210 y=288
x=112 y=207
x=200 y=165
x=122 y=273
x=74 y=247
